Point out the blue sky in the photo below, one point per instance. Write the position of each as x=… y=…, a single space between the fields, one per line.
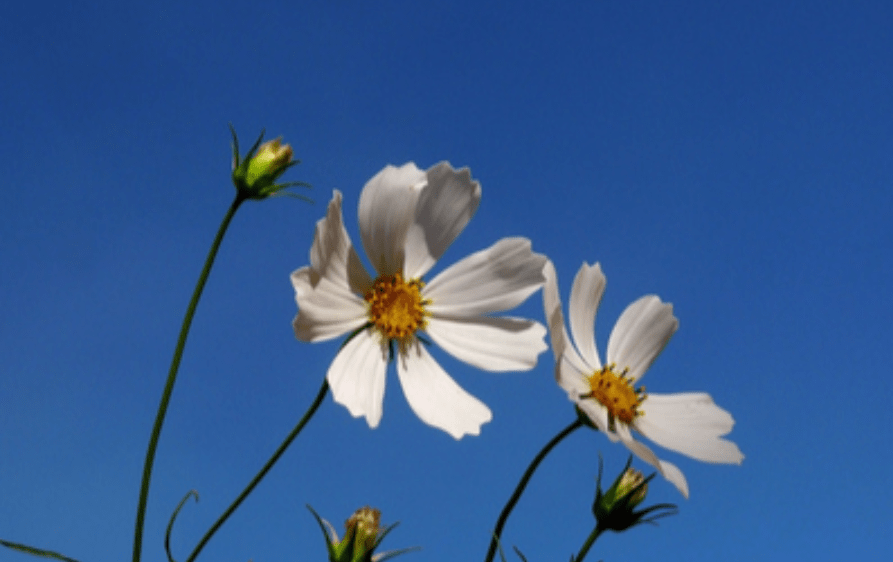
x=735 y=159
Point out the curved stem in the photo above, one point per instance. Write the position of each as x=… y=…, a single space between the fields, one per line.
x=516 y=495
x=172 y=377
x=590 y=540
x=263 y=471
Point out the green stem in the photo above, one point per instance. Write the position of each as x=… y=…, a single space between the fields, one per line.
x=172 y=377
x=263 y=472
x=510 y=505
x=590 y=540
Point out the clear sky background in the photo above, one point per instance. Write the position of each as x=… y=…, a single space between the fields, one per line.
x=735 y=158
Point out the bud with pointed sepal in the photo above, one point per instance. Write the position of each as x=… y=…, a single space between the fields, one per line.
x=614 y=509
x=256 y=174
x=362 y=535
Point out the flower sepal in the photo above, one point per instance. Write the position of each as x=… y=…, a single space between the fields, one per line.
x=615 y=509
x=362 y=535
x=255 y=175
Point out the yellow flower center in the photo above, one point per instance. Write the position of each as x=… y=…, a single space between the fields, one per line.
x=396 y=307
x=615 y=392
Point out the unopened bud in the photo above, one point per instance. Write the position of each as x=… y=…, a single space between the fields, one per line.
x=362 y=535
x=256 y=174
x=615 y=508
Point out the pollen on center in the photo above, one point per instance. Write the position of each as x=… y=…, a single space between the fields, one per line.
x=615 y=391
x=396 y=306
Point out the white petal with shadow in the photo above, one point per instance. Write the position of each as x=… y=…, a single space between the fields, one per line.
x=492 y=280
x=586 y=295
x=552 y=310
x=444 y=208
x=640 y=335
x=326 y=311
x=562 y=347
x=332 y=254
x=387 y=210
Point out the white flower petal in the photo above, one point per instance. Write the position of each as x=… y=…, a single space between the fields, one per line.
x=491 y=344
x=332 y=254
x=387 y=209
x=571 y=378
x=436 y=398
x=303 y=281
x=586 y=295
x=640 y=335
x=691 y=424
x=326 y=311
x=357 y=377
x=492 y=280
x=571 y=370
x=326 y=291
x=444 y=208
x=561 y=342
x=667 y=470
x=553 y=312
x=640 y=450
x=672 y=473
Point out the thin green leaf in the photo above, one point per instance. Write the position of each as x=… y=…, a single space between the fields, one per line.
x=330 y=547
x=36 y=551
x=254 y=148
x=392 y=553
x=236 y=157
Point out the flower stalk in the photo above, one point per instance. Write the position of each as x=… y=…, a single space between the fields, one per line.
x=254 y=178
x=522 y=484
x=263 y=471
x=172 y=375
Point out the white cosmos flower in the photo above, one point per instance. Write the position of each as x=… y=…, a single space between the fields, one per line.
x=689 y=423
x=408 y=217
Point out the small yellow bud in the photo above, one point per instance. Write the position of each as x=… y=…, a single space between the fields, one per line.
x=364 y=525
x=255 y=176
x=614 y=508
x=632 y=483
x=271 y=159
x=362 y=535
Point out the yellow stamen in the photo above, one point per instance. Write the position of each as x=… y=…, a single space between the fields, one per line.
x=396 y=307
x=615 y=392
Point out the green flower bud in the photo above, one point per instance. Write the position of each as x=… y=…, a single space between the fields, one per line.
x=272 y=159
x=630 y=487
x=615 y=508
x=364 y=527
x=255 y=175
x=362 y=535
